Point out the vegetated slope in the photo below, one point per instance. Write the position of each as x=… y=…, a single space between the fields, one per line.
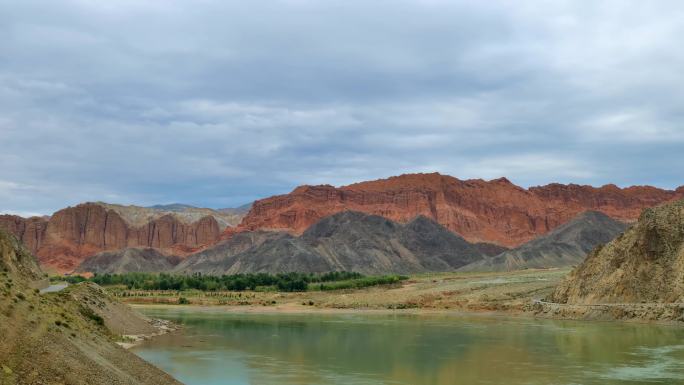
x=566 y=245
x=122 y=261
x=346 y=241
x=70 y=235
x=645 y=264
x=495 y=211
x=58 y=338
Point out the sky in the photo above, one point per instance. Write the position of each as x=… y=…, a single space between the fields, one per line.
x=218 y=103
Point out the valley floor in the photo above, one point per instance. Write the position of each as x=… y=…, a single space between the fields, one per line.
x=510 y=292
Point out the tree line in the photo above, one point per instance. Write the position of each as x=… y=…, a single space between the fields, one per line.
x=285 y=282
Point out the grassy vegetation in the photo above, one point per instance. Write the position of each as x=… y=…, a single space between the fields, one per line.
x=358 y=283
x=286 y=282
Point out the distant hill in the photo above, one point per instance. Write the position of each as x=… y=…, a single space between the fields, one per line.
x=567 y=245
x=349 y=241
x=139 y=216
x=645 y=264
x=172 y=207
x=240 y=210
x=145 y=260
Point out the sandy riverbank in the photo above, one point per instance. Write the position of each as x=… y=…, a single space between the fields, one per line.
x=490 y=294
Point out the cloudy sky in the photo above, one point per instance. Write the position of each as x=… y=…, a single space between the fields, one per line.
x=216 y=103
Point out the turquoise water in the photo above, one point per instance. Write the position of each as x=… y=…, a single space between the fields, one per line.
x=264 y=349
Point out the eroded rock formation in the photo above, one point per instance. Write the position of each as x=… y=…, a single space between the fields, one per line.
x=64 y=240
x=495 y=211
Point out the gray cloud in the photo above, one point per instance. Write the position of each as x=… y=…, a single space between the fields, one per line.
x=216 y=103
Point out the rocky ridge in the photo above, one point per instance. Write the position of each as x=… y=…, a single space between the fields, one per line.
x=346 y=241
x=495 y=211
x=65 y=239
x=566 y=245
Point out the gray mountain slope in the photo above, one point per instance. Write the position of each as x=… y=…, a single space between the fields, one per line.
x=217 y=259
x=567 y=245
x=126 y=260
x=349 y=241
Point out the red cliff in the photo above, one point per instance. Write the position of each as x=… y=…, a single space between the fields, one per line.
x=74 y=233
x=494 y=211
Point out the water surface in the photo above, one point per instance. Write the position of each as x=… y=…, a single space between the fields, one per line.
x=361 y=349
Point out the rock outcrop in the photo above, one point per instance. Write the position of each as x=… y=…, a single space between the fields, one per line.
x=65 y=239
x=644 y=265
x=145 y=260
x=16 y=261
x=566 y=245
x=346 y=241
x=494 y=211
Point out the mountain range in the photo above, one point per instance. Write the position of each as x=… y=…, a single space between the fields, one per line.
x=62 y=241
x=492 y=216
x=370 y=244
x=346 y=241
x=495 y=211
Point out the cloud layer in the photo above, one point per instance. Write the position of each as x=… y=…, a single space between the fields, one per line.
x=216 y=103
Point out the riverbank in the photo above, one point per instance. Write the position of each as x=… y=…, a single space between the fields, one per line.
x=291 y=346
x=162 y=326
x=491 y=294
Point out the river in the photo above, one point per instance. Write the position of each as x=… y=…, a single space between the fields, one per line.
x=368 y=349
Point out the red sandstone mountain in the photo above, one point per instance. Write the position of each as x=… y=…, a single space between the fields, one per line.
x=74 y=233
x=494 y=211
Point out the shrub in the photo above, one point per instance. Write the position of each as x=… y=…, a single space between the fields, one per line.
x=183 y=301
x=90 y=314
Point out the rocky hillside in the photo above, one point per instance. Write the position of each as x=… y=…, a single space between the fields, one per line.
x=65 y=239
x=146 y=260
x=567 y=245
x=349 y=241
x=140 y=216
x=646 y=264
x=214 y=258
x=494 y=211
x=59 y=338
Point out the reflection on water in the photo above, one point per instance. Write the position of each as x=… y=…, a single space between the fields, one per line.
x=240 y=349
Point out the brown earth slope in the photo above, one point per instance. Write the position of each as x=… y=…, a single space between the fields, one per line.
x=64 y=240
x=644 y=265
x=58 y=338
x=495 y=211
